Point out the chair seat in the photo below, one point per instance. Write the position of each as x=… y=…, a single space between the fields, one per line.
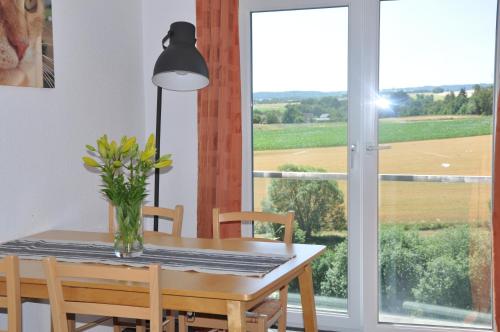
x=269 y=308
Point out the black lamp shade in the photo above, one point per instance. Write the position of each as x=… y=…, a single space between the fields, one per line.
x=180 y=66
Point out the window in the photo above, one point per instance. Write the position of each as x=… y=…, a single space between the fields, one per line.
x=374 y=120
x=292 y=169
x=436 y=84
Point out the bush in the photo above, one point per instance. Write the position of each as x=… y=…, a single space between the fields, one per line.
x=333 y=281
x=320 y=267
x=450 y=267
x=258 y=117
x=445 y=282
x=401 y=264
x=273 y=116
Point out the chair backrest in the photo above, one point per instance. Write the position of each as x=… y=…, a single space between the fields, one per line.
x=9 y=266
x=56 y=273
x=285 y=219
x=175 y=215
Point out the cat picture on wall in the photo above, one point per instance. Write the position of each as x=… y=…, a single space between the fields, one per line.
x=26 y=48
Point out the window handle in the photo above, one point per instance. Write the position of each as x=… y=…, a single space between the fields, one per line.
x=353 y=149
x=378 y=147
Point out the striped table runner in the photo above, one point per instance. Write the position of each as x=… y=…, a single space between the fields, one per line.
x=171 y=258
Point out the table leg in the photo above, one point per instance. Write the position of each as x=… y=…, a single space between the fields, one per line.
x=236 y=316
x=307 y=299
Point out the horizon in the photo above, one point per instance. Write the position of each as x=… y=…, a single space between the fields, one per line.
x=389 y=89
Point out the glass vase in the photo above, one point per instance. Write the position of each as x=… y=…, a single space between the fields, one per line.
x=129 y=231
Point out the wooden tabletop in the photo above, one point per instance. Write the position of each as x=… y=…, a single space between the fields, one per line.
x=196 y=284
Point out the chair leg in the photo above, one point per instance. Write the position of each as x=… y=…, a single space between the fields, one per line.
x=261 y=325
x=171 y=321
x=284 y=302
x=116 y=327
x=140 y=326
x=183 y=327
x=71 y=322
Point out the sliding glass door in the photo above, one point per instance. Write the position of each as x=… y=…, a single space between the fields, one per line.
x=300 y=135
x=435 y=119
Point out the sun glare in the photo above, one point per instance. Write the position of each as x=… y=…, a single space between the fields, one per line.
x=382 y=103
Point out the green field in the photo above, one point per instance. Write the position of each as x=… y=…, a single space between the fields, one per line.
x=264 y=107
x=309 y=135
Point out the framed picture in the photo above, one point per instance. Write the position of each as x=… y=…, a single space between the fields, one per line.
x=26 y=47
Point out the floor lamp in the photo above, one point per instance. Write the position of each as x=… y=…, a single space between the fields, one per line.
x=180 y=67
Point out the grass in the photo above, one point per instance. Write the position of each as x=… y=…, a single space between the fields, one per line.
x=309 y=135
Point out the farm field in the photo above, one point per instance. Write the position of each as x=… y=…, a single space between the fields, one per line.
x=271 y=107
x=313 y=135
x=407 y=202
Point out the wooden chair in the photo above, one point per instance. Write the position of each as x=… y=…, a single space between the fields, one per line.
x=269 y=311
x=176 y=216
x=12 y=302
x=56 y=273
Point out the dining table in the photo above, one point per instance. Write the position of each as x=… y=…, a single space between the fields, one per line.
x=189 y=291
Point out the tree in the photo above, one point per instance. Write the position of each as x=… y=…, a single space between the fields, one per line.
x=258 y=116
x=481 y=100
x=318 y=204
x=461 y=101
x=293 y=114
x=449 y=103
x=273 y=117
x=400 y=100
x=277 y=231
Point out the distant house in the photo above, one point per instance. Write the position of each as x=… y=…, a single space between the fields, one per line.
x=323 y=118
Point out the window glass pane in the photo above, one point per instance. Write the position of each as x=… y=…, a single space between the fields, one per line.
x=435 y=113
x=299 y=63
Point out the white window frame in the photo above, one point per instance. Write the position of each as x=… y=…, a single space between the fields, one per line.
x=363 y=67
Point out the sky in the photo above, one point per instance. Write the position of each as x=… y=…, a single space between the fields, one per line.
x=422 y=42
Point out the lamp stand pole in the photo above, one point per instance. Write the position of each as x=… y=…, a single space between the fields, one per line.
x=157 y=156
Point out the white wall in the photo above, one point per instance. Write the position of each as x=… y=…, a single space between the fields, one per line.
x=179 y=112
x=99 y=89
